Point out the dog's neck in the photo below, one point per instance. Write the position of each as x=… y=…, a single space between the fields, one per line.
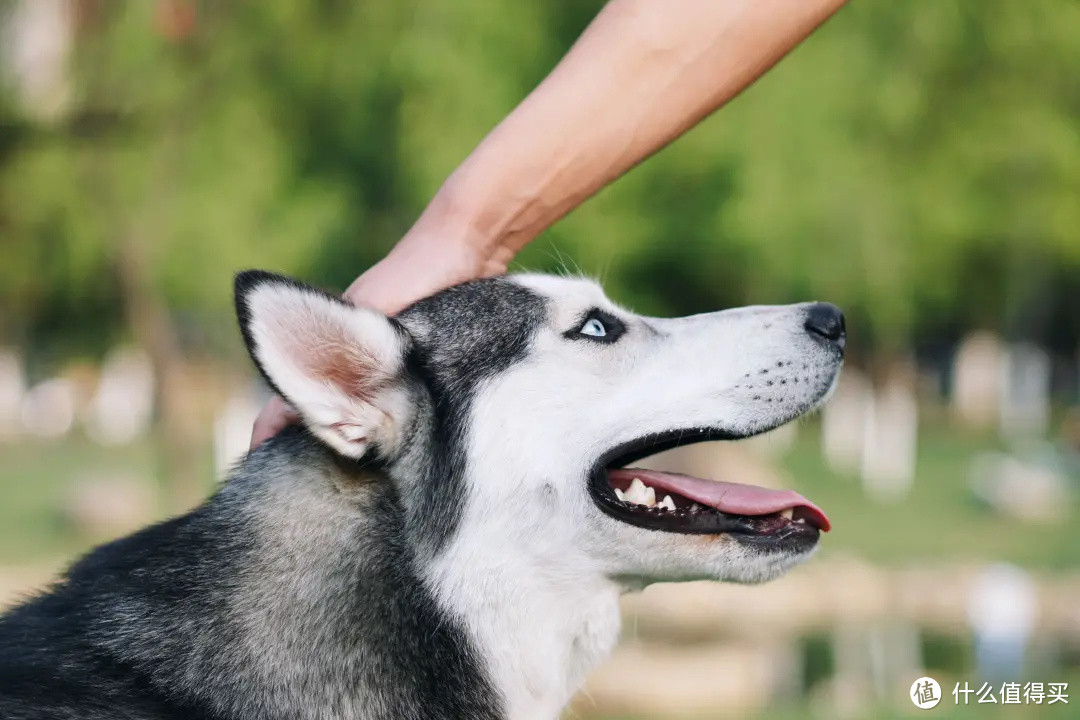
x=541 y=612
x=508 y=569
x=538 y=611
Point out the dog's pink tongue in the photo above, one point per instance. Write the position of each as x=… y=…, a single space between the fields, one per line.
x=727 y=497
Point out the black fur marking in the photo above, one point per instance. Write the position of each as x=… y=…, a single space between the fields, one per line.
x=464 y=336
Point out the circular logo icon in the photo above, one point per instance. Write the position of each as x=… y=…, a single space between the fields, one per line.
x=925 y=693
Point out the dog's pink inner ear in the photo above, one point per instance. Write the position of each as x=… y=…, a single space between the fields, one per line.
x=328 y=351
x=349 y=368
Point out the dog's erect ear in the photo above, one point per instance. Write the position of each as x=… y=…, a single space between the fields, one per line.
x=340 y=366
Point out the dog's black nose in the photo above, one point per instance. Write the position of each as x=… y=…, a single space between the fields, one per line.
x=825 y=320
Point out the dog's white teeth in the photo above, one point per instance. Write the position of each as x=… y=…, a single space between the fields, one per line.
x=638 y=493
x=667 y=503
x=787 y=513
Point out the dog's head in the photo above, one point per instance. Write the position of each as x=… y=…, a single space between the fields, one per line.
x=506 y=410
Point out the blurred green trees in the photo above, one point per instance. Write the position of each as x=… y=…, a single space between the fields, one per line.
x=917 y=163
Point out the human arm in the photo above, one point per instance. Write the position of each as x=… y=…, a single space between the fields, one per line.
x=642 y=74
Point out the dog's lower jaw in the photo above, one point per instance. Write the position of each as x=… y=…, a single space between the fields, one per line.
x=538 y=637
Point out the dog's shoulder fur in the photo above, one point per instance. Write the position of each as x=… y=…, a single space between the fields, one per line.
x=290 y=594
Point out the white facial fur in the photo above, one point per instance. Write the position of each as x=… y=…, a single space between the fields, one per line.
x=538 y=428
x=534 y=544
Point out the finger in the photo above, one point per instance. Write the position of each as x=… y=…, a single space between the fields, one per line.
x=275 y=417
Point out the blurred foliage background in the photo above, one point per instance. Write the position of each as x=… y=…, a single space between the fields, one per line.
x=916 y=163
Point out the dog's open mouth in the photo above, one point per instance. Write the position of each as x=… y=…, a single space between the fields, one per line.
x=682 y=504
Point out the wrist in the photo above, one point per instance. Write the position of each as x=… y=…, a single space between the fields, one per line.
x=450 y=221
x=454 y=229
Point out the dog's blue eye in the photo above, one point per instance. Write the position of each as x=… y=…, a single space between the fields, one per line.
x=594 y=328
x=597 y=326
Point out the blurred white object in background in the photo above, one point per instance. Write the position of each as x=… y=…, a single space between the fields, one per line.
x=890 y=439
x=232 y=429
x=48 y=409
x=872 y=660
x=36 y=43
x=873 y=435
x=1002 y=609
x=1025 y=396
x=977 y=378
x=1020 y=488
x=12 y=388
x=843 y=421
x=123 y=405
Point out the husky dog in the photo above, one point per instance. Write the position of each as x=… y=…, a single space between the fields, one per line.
x=448 y=534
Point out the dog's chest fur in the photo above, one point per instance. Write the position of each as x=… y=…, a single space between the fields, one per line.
x=540 y=621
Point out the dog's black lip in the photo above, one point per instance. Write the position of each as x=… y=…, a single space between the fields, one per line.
x=793 y=537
